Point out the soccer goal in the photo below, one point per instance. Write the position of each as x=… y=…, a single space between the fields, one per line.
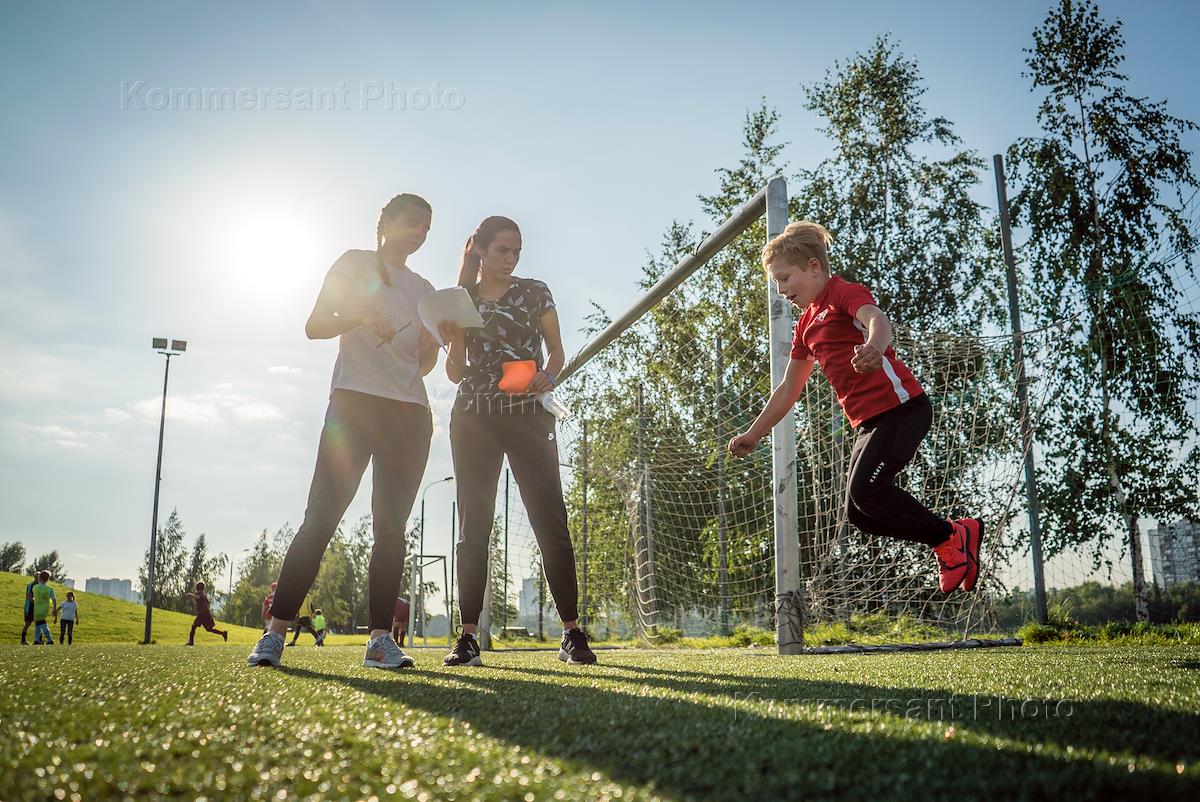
x=676 y=538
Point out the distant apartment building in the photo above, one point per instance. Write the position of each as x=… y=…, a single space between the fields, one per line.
x=114 y=588
x=1175 y=552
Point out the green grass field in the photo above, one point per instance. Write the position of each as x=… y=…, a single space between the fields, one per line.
x=1063 y=722
x=111 y=719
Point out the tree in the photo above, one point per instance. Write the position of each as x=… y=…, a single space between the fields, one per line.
x=201 y=568
x=170 y=567
x=256 y=574
x=48 y=562
x=335 y=589
x=502 y=609
x=12 y=557
x=1102 y=194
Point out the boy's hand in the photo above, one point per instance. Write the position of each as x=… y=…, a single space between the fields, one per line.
x=743 y=444
x=866 y=358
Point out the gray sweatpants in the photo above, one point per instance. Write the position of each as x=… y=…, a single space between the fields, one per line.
x=360 y=428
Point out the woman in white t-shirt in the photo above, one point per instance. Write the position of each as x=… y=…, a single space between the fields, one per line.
x=378 y=413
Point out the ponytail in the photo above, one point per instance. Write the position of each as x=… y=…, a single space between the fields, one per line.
x=468 y=272
x=389 y=213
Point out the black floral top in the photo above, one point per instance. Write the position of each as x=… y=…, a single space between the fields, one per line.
x=511 y=331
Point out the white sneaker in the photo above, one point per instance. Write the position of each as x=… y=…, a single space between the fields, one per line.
x=268 y=650
x=382 y=652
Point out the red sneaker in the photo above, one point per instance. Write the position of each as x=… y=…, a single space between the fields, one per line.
x=972 y=541
x=951 y=559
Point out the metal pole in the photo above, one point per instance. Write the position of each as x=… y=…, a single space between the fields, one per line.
x=453 y=549
x=418 y=582
x=789 y=600
x=505 y=606
x=162 y=422
x=723 y=555
x=412 y=596
x=1014 y=312
x=484 y=629
x=541 y=598
x=725 y=234
x=583 y=597
x=230 y=593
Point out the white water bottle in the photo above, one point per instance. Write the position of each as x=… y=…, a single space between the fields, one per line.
x=554 y=406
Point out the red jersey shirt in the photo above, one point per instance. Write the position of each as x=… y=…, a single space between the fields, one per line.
x=828 y=331
x=202 y=604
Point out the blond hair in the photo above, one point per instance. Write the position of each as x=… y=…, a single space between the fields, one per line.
x=799 y=242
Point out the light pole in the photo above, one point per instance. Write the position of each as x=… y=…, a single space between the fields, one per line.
x=243 y=551
x=176 y=348
x=412 y=603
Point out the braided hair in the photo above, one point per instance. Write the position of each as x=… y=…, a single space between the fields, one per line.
x=389 y=213
x=468 y=274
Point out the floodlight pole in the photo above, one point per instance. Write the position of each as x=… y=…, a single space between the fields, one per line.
x=162 y=423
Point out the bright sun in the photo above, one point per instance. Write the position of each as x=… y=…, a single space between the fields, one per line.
x=267 y=249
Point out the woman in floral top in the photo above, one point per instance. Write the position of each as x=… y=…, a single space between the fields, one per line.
x=488 y=424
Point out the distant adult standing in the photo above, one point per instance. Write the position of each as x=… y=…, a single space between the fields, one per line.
x=28 y=609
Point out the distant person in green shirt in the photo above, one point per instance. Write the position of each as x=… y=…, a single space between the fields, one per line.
x=318 y=624
x=44 y=603
x=68 y=617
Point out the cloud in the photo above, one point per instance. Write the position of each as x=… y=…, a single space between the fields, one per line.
x=115 y=414
x=283 y=369
x=210 y=409
x=61 y=436
x=256 y=411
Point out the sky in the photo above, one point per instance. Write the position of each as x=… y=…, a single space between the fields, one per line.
x=126 y=215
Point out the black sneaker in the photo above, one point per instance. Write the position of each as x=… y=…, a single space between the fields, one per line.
x=575 y=649
x=466 y=652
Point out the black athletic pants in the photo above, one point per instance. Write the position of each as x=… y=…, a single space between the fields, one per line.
x=360 y=428
x=478 y=444
x=884 y=446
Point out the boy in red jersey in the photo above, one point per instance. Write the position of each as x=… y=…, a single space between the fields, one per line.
x=204 y=617
x=842 y=329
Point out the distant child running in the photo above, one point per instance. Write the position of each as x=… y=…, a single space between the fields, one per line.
x=68 y=617
x=44 y=604
x=843 y=330
x=204 y=617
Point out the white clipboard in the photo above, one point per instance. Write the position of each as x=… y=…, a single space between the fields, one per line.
x=453 y=305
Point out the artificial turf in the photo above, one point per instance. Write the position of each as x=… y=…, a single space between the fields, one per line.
x=1063 y=722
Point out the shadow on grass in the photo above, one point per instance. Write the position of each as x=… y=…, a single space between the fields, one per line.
x=704 y=748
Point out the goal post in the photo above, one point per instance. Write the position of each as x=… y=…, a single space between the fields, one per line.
x=771 y=201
